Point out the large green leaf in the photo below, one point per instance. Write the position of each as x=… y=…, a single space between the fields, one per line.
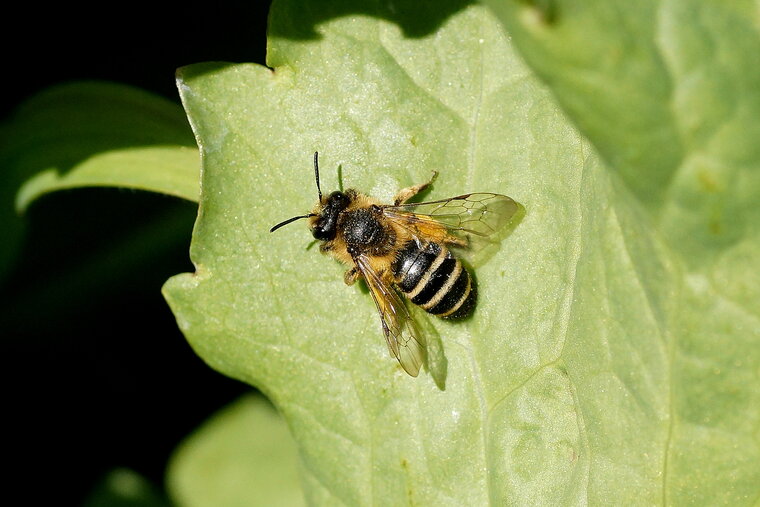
x=669 y=94
x=598 y=363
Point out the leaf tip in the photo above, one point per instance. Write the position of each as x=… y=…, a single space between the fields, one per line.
x=33 y=188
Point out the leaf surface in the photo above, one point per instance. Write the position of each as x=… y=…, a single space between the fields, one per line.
x=244 y=453
x=598 y=362
x=669 y=94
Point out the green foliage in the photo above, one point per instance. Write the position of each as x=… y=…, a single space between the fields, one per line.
x=669 y=95
x=92 y=134
x=243 y=453
x=263 y=309
x=124 y=488
x=614 y=351
x=102 y=135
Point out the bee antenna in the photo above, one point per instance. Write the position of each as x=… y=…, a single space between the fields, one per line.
x=316 y=174
x=286 y=222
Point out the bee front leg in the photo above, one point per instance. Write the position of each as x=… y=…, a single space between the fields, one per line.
x=351 y=276
x=407 y=193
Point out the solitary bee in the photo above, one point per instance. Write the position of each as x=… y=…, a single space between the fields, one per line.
x=405 y=247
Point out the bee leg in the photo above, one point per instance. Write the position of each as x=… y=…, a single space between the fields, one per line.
x=351 y=276
x=407 y=193
x=450 y=239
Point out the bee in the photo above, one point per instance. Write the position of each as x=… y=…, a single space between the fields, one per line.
x=406 y=248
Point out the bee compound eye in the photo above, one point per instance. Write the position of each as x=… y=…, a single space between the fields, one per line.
x=323 y=231
x=338 y=201
x=318 y=233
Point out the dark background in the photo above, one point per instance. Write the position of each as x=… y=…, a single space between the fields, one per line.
x=96 y=374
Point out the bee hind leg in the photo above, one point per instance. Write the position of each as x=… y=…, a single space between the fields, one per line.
x=407 y=193
x=450 y=239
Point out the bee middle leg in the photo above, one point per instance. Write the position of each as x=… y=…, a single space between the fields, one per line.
x=351 y=276
x=407 y=193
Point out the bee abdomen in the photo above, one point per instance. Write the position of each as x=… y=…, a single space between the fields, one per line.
x=432 y=278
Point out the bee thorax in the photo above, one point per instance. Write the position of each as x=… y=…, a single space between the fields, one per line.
x=362 y=230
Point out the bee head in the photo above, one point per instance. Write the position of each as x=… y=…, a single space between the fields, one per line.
x=324 y=220
x=324 y=226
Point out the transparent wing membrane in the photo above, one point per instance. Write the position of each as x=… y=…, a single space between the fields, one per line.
x=404 y=341
x=473 y=222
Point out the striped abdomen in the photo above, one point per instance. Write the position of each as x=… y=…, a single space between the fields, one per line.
x=432 y=278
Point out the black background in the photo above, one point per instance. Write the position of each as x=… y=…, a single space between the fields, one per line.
x=100 y=377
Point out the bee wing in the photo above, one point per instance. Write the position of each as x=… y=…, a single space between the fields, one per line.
x=475 y=218
x=404 y=340
x=481 y=214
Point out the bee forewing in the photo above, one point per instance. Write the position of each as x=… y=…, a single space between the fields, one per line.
x=497 y=213
x=482 y=214
x=404 y=341
x=477 y=219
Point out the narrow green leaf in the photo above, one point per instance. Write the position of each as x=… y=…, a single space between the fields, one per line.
x=172 y=170
x=243 y=456
x=597 y=365
x=100 y=134
x=91 y=134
